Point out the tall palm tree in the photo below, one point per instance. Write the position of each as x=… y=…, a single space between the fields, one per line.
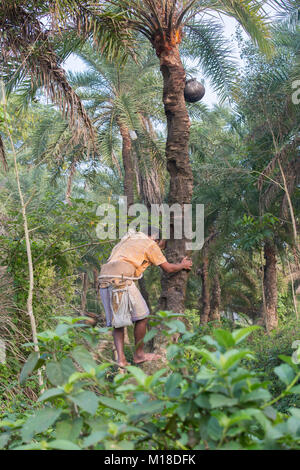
x=266 y=104
x=32 y=47
x=164 y=23
x=124 y=101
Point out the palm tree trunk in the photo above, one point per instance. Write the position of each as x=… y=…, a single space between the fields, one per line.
x=127 y=163
x=270 y=286
x=215 y=301
x=205 y=298
x=70 y=183
x=85 y=286
x=179 y=168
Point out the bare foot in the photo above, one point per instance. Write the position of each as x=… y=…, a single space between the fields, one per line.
x=146 y=357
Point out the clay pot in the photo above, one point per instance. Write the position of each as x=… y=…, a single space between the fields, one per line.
x=194 y=91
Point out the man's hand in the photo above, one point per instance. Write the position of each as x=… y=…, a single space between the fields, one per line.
x=187 y=263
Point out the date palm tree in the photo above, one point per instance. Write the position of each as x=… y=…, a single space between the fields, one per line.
x=30 y=39
x=164 y=23
x=123 y=101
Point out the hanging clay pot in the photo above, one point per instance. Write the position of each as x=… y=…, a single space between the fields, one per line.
x=194 y=91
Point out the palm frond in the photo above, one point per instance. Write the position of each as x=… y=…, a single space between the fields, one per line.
x=252 y=18
x=206 y=44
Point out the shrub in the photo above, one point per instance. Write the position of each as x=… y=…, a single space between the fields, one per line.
x=203 y=399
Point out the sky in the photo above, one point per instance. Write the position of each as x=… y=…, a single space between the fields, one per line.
x=75 y=64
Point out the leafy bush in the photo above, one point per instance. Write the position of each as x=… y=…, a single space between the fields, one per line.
x=203 y=399
x=268 y=350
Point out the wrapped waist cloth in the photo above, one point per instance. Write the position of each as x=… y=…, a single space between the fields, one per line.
x=115 y=268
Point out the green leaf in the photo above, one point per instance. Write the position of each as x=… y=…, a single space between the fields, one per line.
x=224 y=338
x=4 y=438
x=151 y=407
x=233 y=357
x=295 y=412
x=288 y=360
x=176 y=326
x=62 y=329
x=95 y=437
x=149 y=335
x=138 y=374
x=61 y=444
x=214 y=430
x=32 y=446
x=51 y=393
x=172 y=385
x=210 y=357
x=285 y=373
x=183 y=410
x=39 y=422
x=59 y=372
x=239 y=416
x=115 y=405
x=152 y=379
x=240 y=335
x=29 y=366
x=69 y=429
x=203 y=401
x=88 y=401
x=78 y=376
x=257 y=395
x=84 y=358
x=172 y=351
x=218 y=401
x=295 y=389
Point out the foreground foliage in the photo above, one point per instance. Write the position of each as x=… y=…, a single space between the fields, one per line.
x=204 y=398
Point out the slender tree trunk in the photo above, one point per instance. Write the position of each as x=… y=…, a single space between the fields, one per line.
x=270 y=286
x=215 y=301
x=179 y=168
x=127 y=163
x=85 y=286
x=70 y=183
x=205 y=297
x=28 y=251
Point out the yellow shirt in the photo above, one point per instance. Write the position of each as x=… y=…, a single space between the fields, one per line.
x=139 y=253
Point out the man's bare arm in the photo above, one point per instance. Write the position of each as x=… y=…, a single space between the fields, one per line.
x=186 y=263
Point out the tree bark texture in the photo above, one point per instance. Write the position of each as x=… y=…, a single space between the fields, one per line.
x=129 y=174
x=70 y=183
x=270 y=286
x=205 y=297
x=179 y=168
x=215 y=301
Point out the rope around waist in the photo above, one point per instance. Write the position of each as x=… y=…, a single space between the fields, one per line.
x=120 y=276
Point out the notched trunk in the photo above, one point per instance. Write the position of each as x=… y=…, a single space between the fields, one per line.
x=179 y=168
x=127 y=163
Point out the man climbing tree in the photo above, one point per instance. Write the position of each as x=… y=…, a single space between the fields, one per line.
x=122 y=301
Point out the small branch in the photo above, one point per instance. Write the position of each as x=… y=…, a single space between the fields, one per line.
x=28 y=246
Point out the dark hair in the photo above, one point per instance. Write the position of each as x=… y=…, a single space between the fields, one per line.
x=150 y=230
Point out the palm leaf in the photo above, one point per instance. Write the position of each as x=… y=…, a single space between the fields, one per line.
x=206 y=44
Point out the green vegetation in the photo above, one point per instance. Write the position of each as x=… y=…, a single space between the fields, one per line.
x=204 y=397
x=230 y=378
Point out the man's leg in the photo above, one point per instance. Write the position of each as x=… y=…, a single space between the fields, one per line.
x=119 y=344
x=140 y=329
